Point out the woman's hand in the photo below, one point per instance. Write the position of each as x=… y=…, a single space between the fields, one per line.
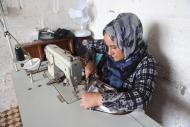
x=89 y=69
x=90 y=99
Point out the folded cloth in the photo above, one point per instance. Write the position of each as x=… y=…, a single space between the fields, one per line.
x=101 y=87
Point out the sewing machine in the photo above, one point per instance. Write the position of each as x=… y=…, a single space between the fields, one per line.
x=61 y=62
x=39 y=106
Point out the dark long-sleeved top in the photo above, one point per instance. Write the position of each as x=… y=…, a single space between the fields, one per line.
x=137 y=88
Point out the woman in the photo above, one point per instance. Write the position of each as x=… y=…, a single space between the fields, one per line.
x=128 y=71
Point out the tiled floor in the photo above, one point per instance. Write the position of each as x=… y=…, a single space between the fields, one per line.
x=10 y=118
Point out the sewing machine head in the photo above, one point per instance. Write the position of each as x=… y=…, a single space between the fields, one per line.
x=61 y=62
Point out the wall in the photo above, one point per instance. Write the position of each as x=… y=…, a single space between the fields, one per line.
x=166 y=30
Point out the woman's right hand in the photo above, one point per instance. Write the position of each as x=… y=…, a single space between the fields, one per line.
x=89 y=69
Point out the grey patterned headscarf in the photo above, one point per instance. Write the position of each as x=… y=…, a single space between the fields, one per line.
x=127 y=32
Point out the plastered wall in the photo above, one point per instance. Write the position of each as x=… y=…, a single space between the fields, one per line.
x=166 y=30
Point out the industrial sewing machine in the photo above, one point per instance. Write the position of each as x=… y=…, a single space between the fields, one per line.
x=37 y=102
x=61 y=62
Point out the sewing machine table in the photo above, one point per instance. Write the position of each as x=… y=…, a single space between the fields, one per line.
x=40 y=107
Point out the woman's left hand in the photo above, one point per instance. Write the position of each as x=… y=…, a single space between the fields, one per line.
x=90 y=99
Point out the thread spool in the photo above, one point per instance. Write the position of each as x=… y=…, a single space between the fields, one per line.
x=19 y=53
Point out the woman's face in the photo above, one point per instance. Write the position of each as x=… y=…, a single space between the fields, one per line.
x=116 y=53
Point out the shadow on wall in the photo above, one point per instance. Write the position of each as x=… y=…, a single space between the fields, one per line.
x=158 y=102
x=165 y=101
